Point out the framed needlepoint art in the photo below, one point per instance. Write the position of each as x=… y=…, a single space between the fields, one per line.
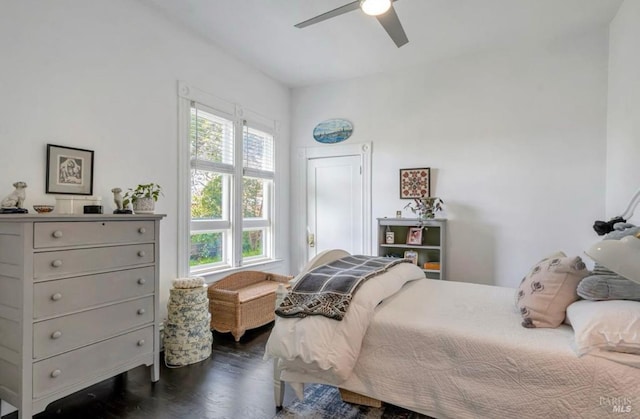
x=415 y=183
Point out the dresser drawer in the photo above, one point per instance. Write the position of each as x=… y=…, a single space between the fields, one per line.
x=49 y=265
x=64 y=333
x=53 y=374
x=61 y=234
x=62 y=296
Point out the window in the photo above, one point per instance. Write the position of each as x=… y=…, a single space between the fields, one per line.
x=257 y=184
x=231 y=188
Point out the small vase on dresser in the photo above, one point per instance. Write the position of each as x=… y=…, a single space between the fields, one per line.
x=144 y=205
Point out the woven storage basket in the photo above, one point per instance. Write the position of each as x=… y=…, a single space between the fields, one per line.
x=355 y=398
x=244 y=300
x=187 y=338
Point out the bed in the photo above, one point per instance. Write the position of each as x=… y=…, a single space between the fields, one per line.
x=457 y=350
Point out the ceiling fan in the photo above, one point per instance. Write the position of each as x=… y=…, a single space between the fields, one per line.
x=382 y=10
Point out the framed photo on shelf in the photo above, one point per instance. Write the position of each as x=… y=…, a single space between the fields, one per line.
x=415 y=183
x=69 y=170
x=414 y=236
x=412 y=255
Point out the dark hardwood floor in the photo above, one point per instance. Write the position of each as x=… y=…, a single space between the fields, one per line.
x=233 y=383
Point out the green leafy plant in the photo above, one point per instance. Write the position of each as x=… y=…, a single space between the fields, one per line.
x=426 y=207
x=147 y=190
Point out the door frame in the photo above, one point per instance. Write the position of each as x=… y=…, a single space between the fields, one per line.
x=363 y=150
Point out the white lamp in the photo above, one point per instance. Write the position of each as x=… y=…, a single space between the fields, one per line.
x=628 y=213
x=604 y=227
x=621 y=256
x=375 y=7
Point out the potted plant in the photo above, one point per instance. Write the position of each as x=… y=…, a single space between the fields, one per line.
x=426 y=207
x=143 y=198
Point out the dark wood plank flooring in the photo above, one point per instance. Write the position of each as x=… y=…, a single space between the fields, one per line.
x=233 y=383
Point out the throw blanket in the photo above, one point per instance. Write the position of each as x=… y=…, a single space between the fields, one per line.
x=328 y=289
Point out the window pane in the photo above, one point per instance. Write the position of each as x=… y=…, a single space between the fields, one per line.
x=206 y=248
x=253 y=197
x=207 y=195
x=211 y=137
x=252 y=243
x=258 y=150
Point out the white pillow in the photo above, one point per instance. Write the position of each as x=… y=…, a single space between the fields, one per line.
x=612 y=325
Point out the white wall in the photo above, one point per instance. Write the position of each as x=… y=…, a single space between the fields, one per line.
x=103 y=75
x=515 y=139
x=623 y=122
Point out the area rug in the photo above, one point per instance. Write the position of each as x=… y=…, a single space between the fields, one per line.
x=324 y=402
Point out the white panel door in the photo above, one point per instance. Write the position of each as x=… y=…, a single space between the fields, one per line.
x=334 y=205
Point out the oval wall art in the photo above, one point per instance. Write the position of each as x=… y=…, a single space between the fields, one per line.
x=332 y=131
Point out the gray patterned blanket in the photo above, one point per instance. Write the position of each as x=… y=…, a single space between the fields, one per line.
x=328 y=289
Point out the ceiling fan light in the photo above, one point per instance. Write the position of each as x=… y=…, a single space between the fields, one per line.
x=375 y=7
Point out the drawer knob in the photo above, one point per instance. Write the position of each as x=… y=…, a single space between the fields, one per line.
x=141 y=342
x=56 y=263
x=142 y=281
x=56 y=297
x=57 y=234
x=56 y=335
x=55 y=373
x=141 y=253
x=141 y=311
x=142 y=230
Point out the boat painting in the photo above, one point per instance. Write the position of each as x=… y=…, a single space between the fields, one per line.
x=332 y=131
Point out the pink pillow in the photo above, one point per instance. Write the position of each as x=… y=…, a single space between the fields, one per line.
x=546 y=292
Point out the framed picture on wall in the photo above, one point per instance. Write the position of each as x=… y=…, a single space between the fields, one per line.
x=415 y=183
x=414 y=236
x=69 y=170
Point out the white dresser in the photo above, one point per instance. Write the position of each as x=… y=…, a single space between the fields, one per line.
x=78 y=303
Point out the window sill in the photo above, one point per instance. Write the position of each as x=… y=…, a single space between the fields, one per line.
x=214 y=275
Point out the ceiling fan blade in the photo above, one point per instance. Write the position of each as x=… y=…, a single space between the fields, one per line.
x=391 y=23
x=328 y=15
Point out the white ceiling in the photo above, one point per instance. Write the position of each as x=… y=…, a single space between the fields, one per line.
x=261 y=32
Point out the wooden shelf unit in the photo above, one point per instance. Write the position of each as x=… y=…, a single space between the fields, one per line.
x=433 y=244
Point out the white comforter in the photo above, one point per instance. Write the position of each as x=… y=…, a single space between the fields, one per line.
x=320 y=344
x=457 y=350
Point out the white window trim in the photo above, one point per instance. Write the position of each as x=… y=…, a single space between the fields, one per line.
x=187 y=94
